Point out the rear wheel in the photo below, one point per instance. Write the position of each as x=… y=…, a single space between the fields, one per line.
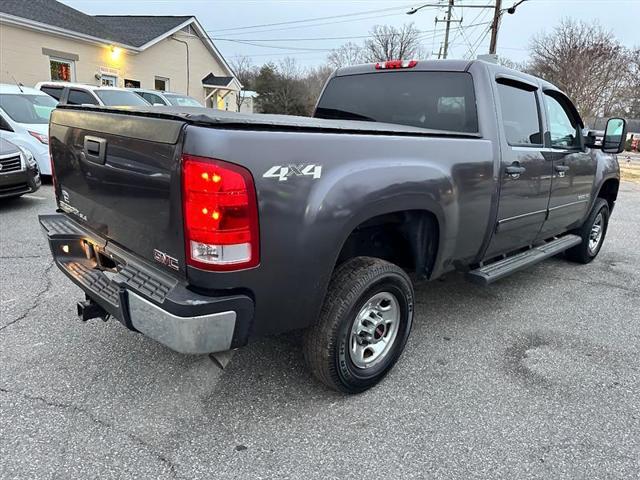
x=363 y=327
x=592 y=233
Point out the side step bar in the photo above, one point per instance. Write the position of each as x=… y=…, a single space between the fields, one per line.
x=495 y=271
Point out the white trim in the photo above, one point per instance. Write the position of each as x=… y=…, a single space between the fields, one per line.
x=202 y=34
x=166 y=34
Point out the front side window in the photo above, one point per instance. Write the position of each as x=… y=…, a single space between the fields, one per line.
x=61 y=69
x=28 y=108
x=80 y=97
x=433 y=100
x=520 y=116
x=563 y=127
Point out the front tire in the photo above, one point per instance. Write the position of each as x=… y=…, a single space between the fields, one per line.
x=364 y=324
x=592 y=233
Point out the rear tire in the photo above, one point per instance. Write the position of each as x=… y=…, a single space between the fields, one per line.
x=364 y=324
x=592 y=233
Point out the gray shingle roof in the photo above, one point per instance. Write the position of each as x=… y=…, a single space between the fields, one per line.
x=215 y=81
x=138 y=30
x=128 y=30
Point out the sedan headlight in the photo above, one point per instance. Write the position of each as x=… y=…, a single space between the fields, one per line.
x=28 y=157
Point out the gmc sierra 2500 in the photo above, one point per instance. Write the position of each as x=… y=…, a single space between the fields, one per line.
x=204 y=229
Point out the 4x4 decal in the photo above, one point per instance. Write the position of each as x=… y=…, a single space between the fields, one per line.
x=283 y=172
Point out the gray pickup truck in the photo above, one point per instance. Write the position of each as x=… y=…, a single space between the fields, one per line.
x=204 y=229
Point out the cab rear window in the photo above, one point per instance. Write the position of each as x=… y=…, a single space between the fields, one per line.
x=433 y=100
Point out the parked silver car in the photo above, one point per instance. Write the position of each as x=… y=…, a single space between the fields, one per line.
x=19 y=172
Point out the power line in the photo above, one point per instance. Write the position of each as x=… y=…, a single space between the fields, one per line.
x=303 y=39
x=313 y=25
x=306 y=20
x=310 y=49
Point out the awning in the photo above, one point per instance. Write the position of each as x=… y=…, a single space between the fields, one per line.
x=213 y=81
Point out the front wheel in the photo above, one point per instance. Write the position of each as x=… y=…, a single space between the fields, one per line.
x=592 y=233
x=363 y=327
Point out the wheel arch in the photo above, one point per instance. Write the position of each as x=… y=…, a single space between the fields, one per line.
x=609 y=191
x=409 y=238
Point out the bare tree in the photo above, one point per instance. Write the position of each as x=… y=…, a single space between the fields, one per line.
x=585 y=61
x=390 y=43
x=314 y=81
x=245 y=73
x=348 y=54
x=632 y=95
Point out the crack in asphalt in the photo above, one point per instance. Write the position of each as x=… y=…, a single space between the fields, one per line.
x=98 y=421
x=36 y=303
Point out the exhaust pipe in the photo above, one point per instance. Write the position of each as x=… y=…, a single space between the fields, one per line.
x=89 y=309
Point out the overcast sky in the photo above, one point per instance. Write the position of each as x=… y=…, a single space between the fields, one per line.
x=309 y=41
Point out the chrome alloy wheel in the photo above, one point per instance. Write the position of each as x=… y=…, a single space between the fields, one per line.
x=374 y=330
x=596 y=234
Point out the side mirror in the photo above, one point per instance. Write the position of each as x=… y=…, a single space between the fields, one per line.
x=615 y=135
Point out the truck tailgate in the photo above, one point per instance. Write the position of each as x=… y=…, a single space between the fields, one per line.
x=118 y=174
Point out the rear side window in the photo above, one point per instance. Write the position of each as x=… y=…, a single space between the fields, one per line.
x=55 y=92
x=520 y=115
x=433 y=100
x=79 y=97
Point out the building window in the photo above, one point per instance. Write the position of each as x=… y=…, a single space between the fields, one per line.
x=128 y=83
x=109 y=81
x=161 y=84
x=61 y=69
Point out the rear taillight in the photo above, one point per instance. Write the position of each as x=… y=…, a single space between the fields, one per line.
x=393 y=64
x=220 y=214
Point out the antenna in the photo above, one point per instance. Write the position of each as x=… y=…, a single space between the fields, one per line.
x=18 y=84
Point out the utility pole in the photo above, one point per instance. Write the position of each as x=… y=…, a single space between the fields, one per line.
x=448 y=21
x=497 y=12
x=495 y=25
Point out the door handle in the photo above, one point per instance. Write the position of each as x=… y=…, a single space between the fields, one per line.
x=515 y=170
x=561 y=169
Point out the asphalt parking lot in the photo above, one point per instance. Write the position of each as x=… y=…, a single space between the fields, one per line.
x=537 y=376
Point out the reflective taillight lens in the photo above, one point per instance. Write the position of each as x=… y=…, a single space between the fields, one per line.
x=220 y=214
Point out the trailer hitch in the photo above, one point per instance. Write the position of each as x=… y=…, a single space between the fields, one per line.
x=88 y=309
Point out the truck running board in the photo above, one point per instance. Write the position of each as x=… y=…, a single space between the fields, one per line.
x=487 y=274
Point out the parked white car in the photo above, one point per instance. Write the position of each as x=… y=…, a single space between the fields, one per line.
x=155 y=97
x=24 y=121
x=68 y=93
